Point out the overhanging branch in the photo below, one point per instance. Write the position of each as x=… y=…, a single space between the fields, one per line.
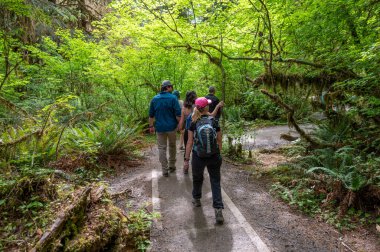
x=314 y=141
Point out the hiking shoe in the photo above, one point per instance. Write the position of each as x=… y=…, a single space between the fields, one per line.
x=197 y=202
x=182 y=148
x=172 y=169
x=165 y=174
x=219 y=216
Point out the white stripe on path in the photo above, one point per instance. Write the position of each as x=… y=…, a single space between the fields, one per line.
x=156 y=198
x=253 y=236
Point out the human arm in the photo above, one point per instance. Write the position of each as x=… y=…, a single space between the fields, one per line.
x=151 y=125
x=217 y=108
x=182 y=120
x=189 y=145
x=151 y=117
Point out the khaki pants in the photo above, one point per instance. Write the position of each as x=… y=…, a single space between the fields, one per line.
x=162 y=141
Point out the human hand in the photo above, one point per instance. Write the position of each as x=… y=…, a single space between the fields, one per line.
x=186 y=166
x=151 y=130
x=221 y=104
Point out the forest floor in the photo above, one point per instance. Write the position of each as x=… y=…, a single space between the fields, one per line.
x=255 y=220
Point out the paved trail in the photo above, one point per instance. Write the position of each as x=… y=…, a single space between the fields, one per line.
x=254 y=220
x=187 y=228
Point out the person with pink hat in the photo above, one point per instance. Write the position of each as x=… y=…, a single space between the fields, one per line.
x=205 y=141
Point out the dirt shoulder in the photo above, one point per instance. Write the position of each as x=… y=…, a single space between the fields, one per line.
x=283 y=227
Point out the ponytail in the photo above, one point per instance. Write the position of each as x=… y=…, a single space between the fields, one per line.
x=197 y=113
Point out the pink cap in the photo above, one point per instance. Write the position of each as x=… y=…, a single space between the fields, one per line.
x=202 y=102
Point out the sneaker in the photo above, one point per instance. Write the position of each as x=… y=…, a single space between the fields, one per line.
x=197 y=202
x=172 y=169
x=219 y=216
x=165 y=174
x=182 y=148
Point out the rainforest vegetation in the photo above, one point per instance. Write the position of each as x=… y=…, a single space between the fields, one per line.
x=77 y=76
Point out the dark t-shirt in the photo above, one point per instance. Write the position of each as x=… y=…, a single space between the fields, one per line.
x=212 y=106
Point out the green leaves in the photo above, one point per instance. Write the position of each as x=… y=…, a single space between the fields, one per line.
x=19 y=7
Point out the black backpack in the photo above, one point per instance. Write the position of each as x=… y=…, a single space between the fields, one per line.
x=205 y=143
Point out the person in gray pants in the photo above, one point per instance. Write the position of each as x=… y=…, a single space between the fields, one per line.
x=164 y=115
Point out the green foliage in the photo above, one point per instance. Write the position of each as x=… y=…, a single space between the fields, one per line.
x=302 y=197
x=57 y=68
x=341 y=165
x=25 y=195
x=258 y=106
x=306 y=193
x=101 y=138
x=233 y=114
x=139 y=226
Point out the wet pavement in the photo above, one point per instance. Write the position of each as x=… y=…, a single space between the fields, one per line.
x=184 y=227
x=254 y=219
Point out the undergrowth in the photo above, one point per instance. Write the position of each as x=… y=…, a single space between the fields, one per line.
x=140 y=222
x=323 y=194
x=25 y=198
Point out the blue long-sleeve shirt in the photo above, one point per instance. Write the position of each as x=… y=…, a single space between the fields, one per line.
x=164 y=107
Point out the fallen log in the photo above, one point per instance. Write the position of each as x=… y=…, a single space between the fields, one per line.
x=79 y=205
x=97 y=194
x=103 y=230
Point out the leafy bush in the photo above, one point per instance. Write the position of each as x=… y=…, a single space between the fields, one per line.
x=233 y=113
x=139 y=227
x=342 y=165
x=101 y=138
x=257 y=105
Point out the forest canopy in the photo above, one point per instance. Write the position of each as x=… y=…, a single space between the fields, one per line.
x=75 y=72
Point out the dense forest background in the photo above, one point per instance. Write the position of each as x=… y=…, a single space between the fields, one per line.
x=77 y=76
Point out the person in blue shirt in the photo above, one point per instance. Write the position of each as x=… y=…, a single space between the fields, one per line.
x=164 y=115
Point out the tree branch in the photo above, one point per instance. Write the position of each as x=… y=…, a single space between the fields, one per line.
x=315 y=142
x=22 y=139
x=15 y=108
x=8 y=73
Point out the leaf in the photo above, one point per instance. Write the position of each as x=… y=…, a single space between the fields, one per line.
x=34 y=204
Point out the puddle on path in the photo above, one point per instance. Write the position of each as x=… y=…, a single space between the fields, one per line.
x=268 y=137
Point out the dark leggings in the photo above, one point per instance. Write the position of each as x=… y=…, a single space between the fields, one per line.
x=185 y=138
x=213 y=167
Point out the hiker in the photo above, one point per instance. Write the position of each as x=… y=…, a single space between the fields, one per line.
x=165 y=113
x=185 y=121
x=187 y=109
x=215 y=101
x=181 y=131
x=205 y=140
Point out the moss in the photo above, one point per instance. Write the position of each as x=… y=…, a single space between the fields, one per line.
x=102 y=231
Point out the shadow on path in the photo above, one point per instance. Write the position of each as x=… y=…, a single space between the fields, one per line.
x=187 y=228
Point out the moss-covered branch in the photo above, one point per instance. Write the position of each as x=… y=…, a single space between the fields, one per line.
x=314 y=141
x=78 y=207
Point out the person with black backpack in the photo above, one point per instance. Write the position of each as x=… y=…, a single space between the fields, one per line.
x=205 y=140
